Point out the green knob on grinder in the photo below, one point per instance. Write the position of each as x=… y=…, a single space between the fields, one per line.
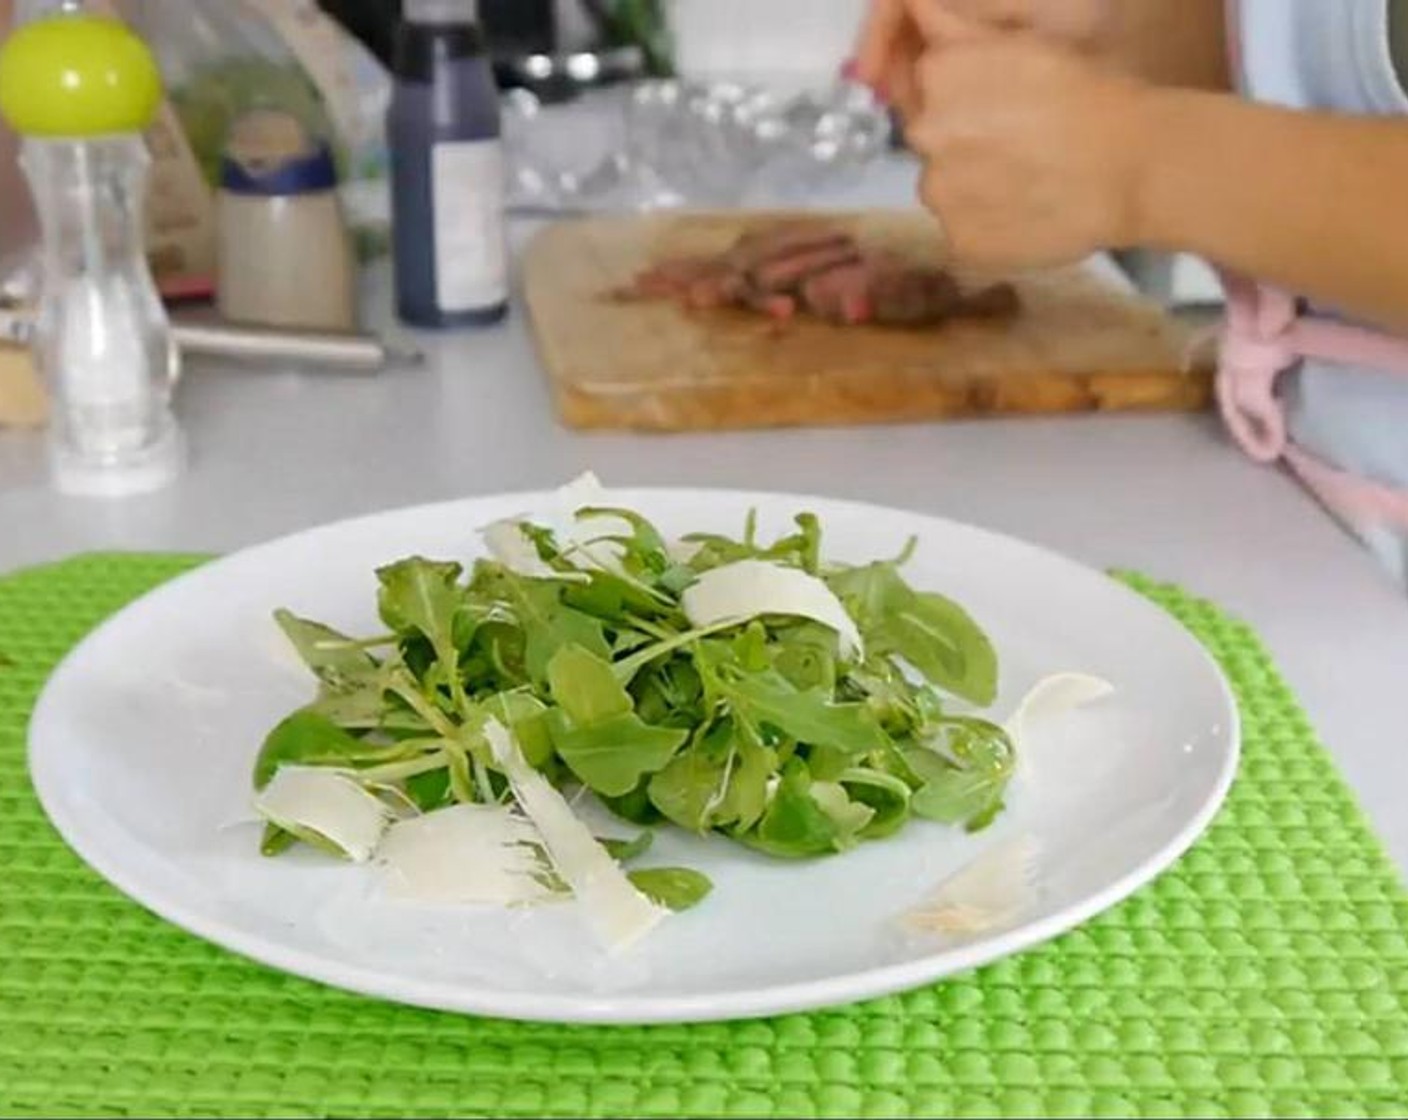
x=77 y=75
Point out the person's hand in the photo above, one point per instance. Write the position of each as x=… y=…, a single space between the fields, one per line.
x=1033 y=154
x=897 y=33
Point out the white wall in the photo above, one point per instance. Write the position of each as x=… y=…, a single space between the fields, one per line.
x=786 y=42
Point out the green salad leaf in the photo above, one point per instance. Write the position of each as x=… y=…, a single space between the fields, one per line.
x=675 y=888
x=611 y=757
x=308 y=738
x=623 y=851
x=966 y=777
x=337 y=660
x=584 y=687
x=933 y=634
x=798 y=825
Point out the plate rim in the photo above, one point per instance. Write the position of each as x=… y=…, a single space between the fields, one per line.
x=634 y=1009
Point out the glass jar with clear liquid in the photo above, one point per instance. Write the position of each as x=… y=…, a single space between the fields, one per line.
x=80 y=89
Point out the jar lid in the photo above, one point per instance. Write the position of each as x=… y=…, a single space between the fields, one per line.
x=271 y=154
x=77 y=75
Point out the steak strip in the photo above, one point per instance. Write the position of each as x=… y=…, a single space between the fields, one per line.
x=787 y=273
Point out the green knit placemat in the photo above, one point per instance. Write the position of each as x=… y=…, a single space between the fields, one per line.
x=1266 y=974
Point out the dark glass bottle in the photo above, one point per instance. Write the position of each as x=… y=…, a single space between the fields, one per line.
x=447 y=170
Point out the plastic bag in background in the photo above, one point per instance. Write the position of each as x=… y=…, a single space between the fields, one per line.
x=356 y=91
x=758 y=115
x=220 y=59
x=355 y=87
x=224 y=58
x=668 y=143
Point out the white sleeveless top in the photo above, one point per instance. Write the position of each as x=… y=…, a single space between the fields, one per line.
x=1338 y=55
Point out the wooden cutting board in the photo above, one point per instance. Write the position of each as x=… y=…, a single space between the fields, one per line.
x=1080 y=345
x=23 y=403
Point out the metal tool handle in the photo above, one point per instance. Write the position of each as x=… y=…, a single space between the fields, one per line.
x=358 y=353
x=352 y=352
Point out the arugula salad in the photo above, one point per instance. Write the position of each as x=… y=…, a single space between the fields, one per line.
x=748 y=688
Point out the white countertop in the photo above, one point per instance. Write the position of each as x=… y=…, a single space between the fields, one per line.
x=275 y=452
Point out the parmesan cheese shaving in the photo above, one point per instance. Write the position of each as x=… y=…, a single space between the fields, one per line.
x=464 y=855
x=682 y=551
x=619 y=914
x=1054 y=697
x=993 y=891
x=583 y=492
x=752 y=588
x=581 y=537
x=1049 y=700
x=509 y=545
x=328 y=804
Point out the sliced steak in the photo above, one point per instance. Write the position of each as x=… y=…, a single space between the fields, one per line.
x=841 y=295
x=721 y=286
x=812 y=267
x=1000 y=301
x=758 y=247
x=908 y=295
x=780 y=308
x=670 y=279
x=787 y=273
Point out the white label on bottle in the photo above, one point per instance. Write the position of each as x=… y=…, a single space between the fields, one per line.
x=471 y=262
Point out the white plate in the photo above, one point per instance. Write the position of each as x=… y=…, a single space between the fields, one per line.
x=142 y=743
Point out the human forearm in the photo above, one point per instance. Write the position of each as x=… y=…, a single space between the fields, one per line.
x=1310 y=202
x=1181 y=43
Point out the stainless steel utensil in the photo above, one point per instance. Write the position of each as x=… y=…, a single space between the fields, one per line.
x=343 y=352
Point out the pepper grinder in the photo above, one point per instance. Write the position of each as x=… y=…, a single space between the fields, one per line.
x=81 y=89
